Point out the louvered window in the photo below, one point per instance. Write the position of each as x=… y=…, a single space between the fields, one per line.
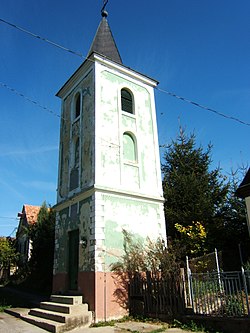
x=127 y=101
x=77 y=105
x=77 y=153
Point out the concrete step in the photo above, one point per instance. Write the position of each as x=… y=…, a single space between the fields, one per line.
x=42 y=313
x=63 y=308
x=56 y=317
x=71 y=322
x=48 y=325
x=59 y=316
x=72 y=300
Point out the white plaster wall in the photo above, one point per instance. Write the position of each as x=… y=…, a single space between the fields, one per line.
x=142 y=218
x=125 y=196
x=145 y=176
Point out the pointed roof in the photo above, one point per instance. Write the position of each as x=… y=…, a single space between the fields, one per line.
x=243 y=190
x=30 y=213
x=104 y=43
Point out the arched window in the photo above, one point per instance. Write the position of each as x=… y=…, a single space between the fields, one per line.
x=129 y=148
x=77 y=105
x=127 y=101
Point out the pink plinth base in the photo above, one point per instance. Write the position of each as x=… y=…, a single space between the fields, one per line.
x=106 y=296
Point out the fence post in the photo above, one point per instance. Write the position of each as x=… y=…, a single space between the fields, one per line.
x=183 y=288
x=190 y=289
x=218 y=269
x=245 y=287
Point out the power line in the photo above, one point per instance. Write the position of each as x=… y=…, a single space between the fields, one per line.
x=29 y=99
x=203 y=107
x=42 y=38
x=82 y=56
x=15 y=229
x=111 y=144
x=7 y=217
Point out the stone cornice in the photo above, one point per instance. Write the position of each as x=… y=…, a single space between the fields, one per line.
x=105 y=190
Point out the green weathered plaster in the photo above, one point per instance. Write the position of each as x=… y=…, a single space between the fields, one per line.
x=114 y=242
x=143 y=172
x=143 y=115
x=128 y=121
x=129 y=149
x=65 y=224
x=130 y=202
x=114 y=226
x=113 y=236
x=69 y=132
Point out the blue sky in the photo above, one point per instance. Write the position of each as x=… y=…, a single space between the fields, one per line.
x=197 y=49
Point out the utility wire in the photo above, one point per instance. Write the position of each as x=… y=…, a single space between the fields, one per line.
x=82 y=56
x=15 y=229
x=42 y=38
x=111 y=144
x=29 y=99
x=203 y=107
x=10 y=218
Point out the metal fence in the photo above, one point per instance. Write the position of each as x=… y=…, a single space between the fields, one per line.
x=219 y=293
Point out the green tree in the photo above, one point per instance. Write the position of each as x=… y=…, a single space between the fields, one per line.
x=232 y=224
x=194 y=236
x=193 y=192
x=8 y=255
x=42 y=235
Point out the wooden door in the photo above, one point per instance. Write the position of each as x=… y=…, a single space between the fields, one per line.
x=73 y=259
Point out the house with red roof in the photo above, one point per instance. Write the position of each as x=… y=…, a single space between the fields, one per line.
x=28 y=217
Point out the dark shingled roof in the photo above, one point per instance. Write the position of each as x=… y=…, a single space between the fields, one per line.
x=243 y=190
x=104 y=42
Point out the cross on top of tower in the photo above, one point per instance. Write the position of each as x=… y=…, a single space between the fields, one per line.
x=103 y=10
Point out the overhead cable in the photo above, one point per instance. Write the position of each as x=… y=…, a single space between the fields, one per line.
x=42 y=38
x=9 y=218
x=29 y=99
x=203 y=107
x=15 y=229
x=110 y=144
x=82 y=56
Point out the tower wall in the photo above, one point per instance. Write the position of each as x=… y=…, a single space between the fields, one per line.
x=109 y=179
x=112 y=169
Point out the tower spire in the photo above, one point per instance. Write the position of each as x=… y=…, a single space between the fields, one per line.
x=104 y=42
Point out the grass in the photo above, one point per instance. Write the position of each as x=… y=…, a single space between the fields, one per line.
x=192 y=326
x=133 y=319
x=4 y=306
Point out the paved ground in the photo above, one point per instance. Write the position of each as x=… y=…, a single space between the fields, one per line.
x=129 y=327
x=11 y=324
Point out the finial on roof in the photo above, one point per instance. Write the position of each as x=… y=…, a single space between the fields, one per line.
x=103 y=11
x=104 y=43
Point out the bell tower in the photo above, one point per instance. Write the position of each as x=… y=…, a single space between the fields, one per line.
x=109 y=176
